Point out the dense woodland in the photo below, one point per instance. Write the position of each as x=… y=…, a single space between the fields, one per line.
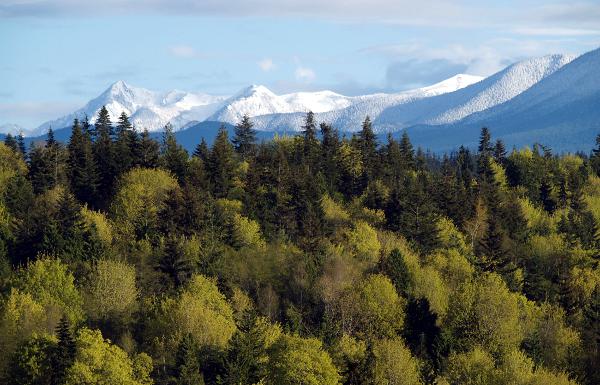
x=311 y=259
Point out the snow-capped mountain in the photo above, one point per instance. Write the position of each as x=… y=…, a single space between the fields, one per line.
x=562 y=110
x=530 y=100
x=490 y=92
x=13 y=129
x=146 y=109
x=350 y=117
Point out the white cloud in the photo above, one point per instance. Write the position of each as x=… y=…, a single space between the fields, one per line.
x=305 y=74
x=266 y=64
x=183 y=51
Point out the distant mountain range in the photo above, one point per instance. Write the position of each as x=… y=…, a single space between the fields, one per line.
x=554 y=100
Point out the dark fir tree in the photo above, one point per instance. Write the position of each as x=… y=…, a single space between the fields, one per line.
x=311 y=143
x=148 y=151
x=125 y=144
x=173 y=156
x=81 y=166
x=368 y=148
x=64 y=353
x=11 y=142
x=202 y=151
x=485 y=142
x=500 y=152
x=187 y=366
x=104 y=155
x=329 y=149
x=244 y=139
x=41 y=170
x=407 y=153
x=221 y=164
x=21 y=144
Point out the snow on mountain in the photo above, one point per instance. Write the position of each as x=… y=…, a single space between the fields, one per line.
x=492 y=91
x=11 y=128
x=350 y=117
x=562 y=110
x=147 y=109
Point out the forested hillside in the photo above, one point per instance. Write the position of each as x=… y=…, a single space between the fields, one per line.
x=313 y=259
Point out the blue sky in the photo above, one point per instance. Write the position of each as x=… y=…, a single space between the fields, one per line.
x=56 y=55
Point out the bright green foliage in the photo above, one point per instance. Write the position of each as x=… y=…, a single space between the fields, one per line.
x=140 y=197
x=202 y=311
x=375 y=307
x=363 y=242
x=98 y=362
x=52 y=286
x=246 y=232
x=296 y=360
x=110 y=291
x=21 y=318
x=393 y=364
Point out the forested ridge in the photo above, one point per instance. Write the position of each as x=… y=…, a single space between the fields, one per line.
x=311 y=259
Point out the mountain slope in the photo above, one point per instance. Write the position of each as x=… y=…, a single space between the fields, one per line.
x=492 y=91
x=562 y=111
x=350 y=117
x=11 y=128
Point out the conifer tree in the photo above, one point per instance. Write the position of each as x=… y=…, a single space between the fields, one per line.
x=202 y=151
x=329 y=149
x=187 y=363
x=221 y=164
x=548 y=202
x=125 y=145
x=173 y=156
x=244 y=140
x=64 y=352
x=50 y=140
x=81 y=165
x=368 y=147
x=485 y=140
x=21 y=144
x=104 y=154
x=311 y=143
x=500 y=152
x=41 y=170
x=11 y=143
x=148 y=150
x=407 y=153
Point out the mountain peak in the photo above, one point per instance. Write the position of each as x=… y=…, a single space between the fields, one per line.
x=254 y=89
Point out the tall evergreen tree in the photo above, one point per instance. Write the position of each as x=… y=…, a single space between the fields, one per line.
x=81 y=165
x=148 y=151
x=202 y=151
x=500 y=152
x=21 y=144
x=407 y=152
x=11 y=142
x=368 y=147
x=221 y=164
x=104 y=155
x=244 y=140
x=311 y=143
x=485 y=142
x=329 y=149
x=173 y=156
x=125 y=144
x=64 y=353
x=187 y=366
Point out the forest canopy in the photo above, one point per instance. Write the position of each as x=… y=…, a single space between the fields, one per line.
x=308 y=259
